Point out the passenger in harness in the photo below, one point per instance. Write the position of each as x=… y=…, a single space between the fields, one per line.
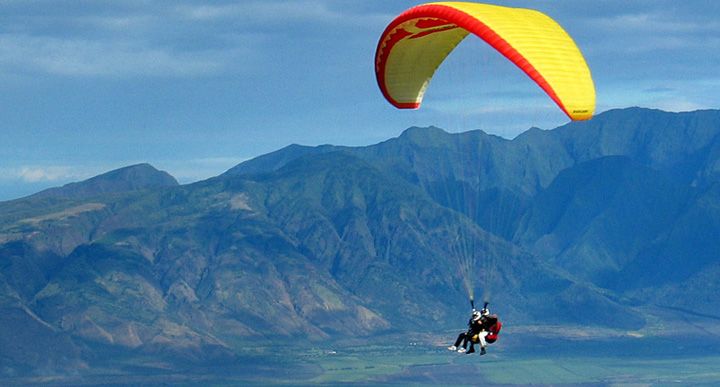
x=483 y=329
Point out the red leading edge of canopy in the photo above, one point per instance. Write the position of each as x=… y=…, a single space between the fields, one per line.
x=392 y=35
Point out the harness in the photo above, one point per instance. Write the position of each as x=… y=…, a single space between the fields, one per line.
x=493 y=331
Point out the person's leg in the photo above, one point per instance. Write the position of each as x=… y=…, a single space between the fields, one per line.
x=483 y=343
x=460 y=338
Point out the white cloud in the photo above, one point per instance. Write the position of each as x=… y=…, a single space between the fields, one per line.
x=81 y=57
x=187 y=171
x=646 y=32
x=259 y=11
x=44 y=173
x=655 y=22
x=206 y=12
x=121 y=23
x=674 y=105
x=34 y=174
x=145 y=39
x=276 y=12
x=667 y=94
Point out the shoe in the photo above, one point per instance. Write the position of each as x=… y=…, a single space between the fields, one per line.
x=452 y=348
x=472 y=350
x=462 y=350
x=482 y=351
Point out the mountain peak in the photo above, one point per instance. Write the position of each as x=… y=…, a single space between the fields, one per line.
x=424 y=136
x=427 y=131
x=275 y=160
x=131 y=178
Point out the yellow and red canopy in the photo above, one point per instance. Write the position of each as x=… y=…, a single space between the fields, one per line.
x=415 y=44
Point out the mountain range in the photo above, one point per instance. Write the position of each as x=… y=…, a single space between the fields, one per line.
x=593 y=224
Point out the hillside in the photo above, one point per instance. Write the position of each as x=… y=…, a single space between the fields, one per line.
x=572 y=226
x=603 y=199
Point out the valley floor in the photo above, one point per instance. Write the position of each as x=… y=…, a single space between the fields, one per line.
x=522 y=357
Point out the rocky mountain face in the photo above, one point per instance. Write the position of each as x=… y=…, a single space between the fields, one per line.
x=576 y=225
x=624 y=201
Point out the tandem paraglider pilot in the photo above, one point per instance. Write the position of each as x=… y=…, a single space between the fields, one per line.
x=483 y=329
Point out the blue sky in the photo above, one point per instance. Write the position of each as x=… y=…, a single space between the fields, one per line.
x=196 y=87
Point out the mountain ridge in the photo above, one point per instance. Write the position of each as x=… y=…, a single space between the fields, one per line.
x=572 y=226
x=130 y=178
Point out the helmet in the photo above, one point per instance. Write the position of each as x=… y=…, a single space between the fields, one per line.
x=485 y=311
x=476 y=315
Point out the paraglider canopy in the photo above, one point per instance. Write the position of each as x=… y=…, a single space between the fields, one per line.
x=417 y=41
